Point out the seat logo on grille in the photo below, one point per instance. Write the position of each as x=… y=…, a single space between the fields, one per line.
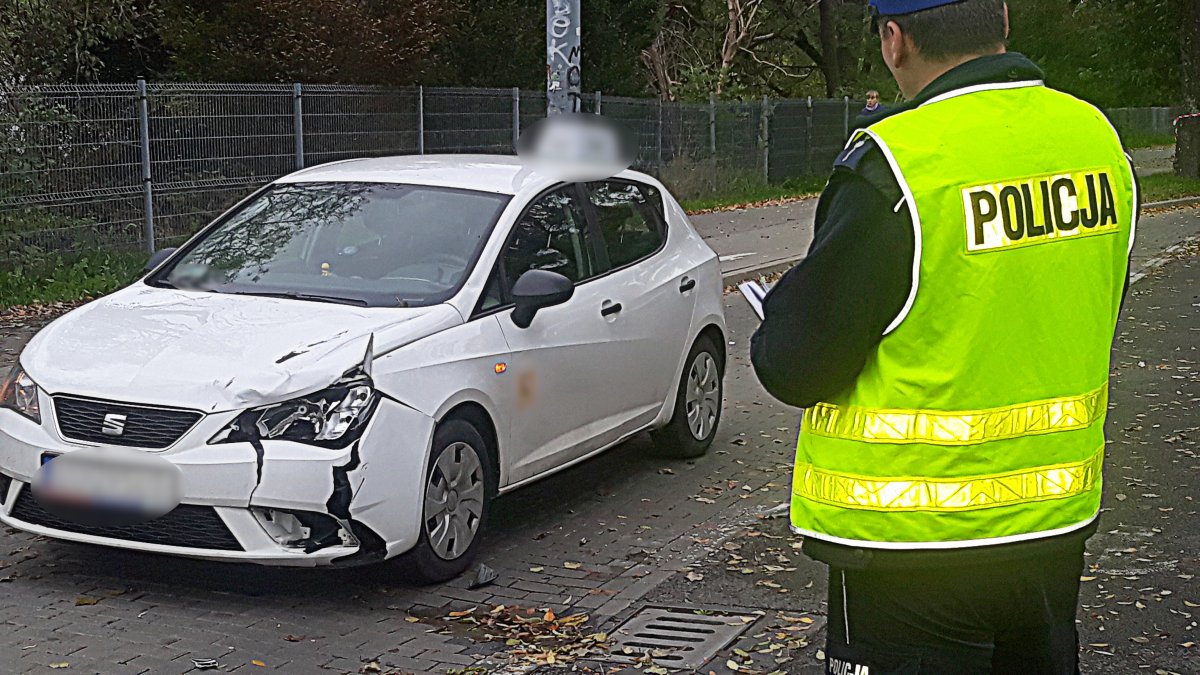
x=114 y=424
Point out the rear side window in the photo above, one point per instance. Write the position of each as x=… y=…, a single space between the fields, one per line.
x=630 y=219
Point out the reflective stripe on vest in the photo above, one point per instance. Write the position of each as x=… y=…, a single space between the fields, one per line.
x=947 y=494
x=961 y=427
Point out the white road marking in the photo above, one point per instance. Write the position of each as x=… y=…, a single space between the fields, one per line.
x=735 y=256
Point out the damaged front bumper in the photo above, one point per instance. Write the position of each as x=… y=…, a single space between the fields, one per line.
x=304 y=506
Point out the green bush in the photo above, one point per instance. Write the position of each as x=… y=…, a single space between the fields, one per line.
x=61 y=278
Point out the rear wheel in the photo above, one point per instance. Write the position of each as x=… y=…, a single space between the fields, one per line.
x=697 y=404
x=457 y=497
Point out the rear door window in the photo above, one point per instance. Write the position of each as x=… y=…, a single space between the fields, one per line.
x=629 y=219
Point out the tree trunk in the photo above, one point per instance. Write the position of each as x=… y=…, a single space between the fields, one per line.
x=656 y=61
x=1191 y=53
x=829 y=63
x=729 y=48
x=1187 y=148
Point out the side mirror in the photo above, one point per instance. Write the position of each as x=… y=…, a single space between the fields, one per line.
x=160 y=256
x=536 y=290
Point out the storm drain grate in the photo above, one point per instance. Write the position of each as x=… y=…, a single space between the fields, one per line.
x=677 y=638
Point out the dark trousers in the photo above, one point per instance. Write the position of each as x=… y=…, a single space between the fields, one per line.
x=1005 y=616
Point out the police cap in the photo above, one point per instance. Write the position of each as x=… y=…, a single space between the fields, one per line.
x=897 y=7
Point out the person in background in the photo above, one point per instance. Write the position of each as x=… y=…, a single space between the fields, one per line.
x=948 y=335
x=874 y=107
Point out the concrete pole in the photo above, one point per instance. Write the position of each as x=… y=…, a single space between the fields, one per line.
x=563 y=74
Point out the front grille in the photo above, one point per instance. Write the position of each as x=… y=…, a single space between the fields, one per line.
x=188 y=525
x=5 y=481
x=84 y=419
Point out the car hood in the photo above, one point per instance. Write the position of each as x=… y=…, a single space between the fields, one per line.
x=215 y=352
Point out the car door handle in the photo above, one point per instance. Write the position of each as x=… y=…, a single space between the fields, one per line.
x=609 y=310
x=687 y=284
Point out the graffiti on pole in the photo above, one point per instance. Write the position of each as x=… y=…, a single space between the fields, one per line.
x=563 y=76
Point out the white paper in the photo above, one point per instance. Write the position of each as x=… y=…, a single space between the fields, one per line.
x=754 y=292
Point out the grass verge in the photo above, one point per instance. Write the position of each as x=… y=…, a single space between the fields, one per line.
x=1135 y=141
x=742 y=196
x=1163 y=186
x=65 y=279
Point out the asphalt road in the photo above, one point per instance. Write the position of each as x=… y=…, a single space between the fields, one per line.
x=627 y=529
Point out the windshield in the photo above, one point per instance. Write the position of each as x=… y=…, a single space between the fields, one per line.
x=371 y=244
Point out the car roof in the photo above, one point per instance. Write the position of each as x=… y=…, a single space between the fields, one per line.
x=501 y=174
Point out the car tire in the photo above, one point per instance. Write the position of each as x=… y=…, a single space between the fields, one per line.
x=698 y=403
x=458 y=490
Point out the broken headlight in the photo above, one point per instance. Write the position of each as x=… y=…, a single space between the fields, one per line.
x=332 y=417
x=18 y=392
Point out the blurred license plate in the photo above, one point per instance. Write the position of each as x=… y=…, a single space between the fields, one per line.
x=107 y=485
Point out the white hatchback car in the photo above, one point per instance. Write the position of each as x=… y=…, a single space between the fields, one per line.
x=353 y=361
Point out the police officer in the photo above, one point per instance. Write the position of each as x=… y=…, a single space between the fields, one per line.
x=948 y=336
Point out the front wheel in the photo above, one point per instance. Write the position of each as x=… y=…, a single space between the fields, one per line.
x=455 y=502
x=697 y=404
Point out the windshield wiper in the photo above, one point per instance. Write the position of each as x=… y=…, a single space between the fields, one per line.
x=291 y=295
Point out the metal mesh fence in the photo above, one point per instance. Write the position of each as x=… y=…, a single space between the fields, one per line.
x=341 y=122
x=70 y=173
x=122 y=167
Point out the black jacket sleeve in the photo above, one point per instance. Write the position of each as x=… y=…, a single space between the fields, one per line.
x=826 y=315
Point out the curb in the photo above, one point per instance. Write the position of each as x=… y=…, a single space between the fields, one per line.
x=737 y=275
x=1172 y=203
x=1144 y=270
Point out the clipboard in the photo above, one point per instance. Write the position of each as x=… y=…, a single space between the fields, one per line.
x=755 y=293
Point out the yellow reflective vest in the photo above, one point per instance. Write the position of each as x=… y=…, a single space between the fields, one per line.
x=979 y=419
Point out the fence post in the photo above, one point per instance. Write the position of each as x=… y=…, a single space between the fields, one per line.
x=298 y=123
x=420 y=120
x=846 y=123
x=808 y=137
x=599 y=99
x=147 y=184
x=516 y=122
x=766 y=138
x=659 y=136
x=712 y=122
